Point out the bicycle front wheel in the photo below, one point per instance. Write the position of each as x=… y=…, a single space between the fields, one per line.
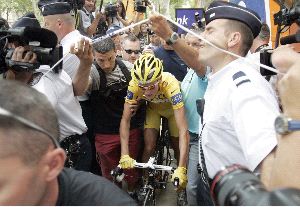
x=150 y=199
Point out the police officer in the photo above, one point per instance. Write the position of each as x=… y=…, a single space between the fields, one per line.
x=60 y=91
x=59 y=17
x=240 y=107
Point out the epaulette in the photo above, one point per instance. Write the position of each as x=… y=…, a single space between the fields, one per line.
x=240 y=78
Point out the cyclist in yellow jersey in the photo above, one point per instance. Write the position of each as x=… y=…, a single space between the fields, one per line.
x=162 y=91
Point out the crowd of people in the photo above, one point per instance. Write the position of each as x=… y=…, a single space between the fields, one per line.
x=104 y=107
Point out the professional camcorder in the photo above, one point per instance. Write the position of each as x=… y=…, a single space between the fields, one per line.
x=40 y=41
x=111 y=10
x=237 y=186
x=140 y=5
x=285 y=17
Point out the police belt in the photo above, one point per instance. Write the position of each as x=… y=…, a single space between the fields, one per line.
x=71 y=145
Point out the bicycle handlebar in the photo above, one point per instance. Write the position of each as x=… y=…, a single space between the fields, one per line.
x=118 y=173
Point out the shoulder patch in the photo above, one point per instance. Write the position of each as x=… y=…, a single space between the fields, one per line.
x=240 y=78
x=176 y=99
x=129 y=95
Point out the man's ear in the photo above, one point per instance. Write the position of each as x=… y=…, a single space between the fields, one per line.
x=54 y=162
x=234 y=39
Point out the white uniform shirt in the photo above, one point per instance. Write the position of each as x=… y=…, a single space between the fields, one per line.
x=71 y=61
x=59 y=90
x=240 y=109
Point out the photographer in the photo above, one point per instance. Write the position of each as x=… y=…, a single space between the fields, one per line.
x=87 y=23
x=60 y=91
x=117 y=17
x=285 y=167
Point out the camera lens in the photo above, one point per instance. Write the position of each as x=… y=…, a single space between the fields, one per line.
x=236 y=185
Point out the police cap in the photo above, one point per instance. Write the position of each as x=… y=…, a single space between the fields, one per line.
x=228 y=10
x=52 y=7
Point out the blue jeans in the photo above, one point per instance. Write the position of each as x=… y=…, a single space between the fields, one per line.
x=197 y=193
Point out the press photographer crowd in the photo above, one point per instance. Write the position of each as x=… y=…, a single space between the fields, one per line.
x=87 y=90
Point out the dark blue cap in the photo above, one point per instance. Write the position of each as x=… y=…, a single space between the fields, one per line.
x=52 y=7
x=112 y=29
x=28 y=20
x=228 y=10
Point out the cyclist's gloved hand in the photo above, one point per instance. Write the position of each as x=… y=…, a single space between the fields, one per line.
x=181 y=174
x=126 y=162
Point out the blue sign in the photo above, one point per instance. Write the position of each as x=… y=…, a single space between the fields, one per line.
x=186 y=17
x=256 y=5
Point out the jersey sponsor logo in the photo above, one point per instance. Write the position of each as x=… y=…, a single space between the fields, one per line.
x=173 y=91
x=176 y=99
x=129 y=95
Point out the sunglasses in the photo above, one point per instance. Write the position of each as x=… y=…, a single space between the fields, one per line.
x=133 y=51
x=145 y=88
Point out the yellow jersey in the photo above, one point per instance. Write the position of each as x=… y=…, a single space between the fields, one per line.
x=167 y=96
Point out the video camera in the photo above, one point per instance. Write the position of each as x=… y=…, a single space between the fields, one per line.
x=111 y=10
x=199 y=20
x=285 y=17
x=237 y=186
x=40 y=41
x=140 y=5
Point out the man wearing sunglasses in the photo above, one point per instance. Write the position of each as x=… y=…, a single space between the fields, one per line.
x=162 y=91
x=32 y=163
x=131 y=48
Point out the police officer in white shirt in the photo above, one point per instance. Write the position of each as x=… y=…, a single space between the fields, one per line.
x=240 y=107
x=59 y=89
x=58 y=17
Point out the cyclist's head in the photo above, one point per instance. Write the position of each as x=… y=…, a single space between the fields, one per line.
x=147 y=69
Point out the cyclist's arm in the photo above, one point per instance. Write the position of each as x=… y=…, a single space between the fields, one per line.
x=125 y=128
x=183 y=136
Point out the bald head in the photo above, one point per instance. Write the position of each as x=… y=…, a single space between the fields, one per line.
x=17 y=139
x=60 y=24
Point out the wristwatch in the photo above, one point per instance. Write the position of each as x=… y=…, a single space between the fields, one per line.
x=285 y=125
x=174 y=37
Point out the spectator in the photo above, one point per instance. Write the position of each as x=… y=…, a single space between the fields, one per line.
x=155 y=42
x=3 y=23
x=171 y=61
x=115 y=38
x=120 y=20
x=143 y=35
x=32 y=162
x=110 y=77
x=131 y=48
x=193 y=88
x=240 y=107
x=87 y=23
x=262 y=40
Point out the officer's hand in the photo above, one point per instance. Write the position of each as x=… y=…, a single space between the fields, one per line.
x=160 y=26
x=126 y=162
x=21 y=55
x=181 y=174
x=83 y=51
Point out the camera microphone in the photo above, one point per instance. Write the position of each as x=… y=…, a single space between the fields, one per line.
x=290 y=39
